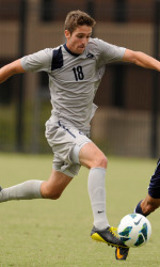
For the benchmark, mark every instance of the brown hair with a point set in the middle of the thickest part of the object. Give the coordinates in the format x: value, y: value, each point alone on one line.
x: 78, y: 18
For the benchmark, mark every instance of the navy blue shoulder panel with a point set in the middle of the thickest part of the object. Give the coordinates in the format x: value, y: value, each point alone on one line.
x: 57, y: 59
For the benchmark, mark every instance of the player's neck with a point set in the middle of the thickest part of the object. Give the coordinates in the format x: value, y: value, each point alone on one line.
x: 69, y: 51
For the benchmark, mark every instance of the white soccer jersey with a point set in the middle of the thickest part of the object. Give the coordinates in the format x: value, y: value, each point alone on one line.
x: 74, y: 79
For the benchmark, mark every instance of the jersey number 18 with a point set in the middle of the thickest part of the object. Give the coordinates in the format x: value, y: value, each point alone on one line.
x: 78, y: 73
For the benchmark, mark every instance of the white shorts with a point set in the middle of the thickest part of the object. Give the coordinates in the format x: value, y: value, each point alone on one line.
x: 66, y: 143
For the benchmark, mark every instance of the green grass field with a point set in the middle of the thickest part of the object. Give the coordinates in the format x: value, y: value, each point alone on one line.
x: 45, y: 233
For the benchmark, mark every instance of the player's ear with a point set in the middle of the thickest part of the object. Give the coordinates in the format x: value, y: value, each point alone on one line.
x: 67, y: 34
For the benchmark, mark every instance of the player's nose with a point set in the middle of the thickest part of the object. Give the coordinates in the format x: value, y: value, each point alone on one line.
x: 85, y: 41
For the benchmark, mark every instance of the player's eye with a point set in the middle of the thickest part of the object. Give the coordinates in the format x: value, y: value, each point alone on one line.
x: 80, y: 36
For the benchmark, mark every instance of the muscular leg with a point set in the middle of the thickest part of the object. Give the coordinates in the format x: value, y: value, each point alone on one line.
x: 57, y: 182
x: 54, y: 187
x: 91, y: 156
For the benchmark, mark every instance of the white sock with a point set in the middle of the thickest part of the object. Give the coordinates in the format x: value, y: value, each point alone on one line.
x: 97, y: 193
x: 27, y: 190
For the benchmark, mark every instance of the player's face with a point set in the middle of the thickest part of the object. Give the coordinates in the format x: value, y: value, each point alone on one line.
x: 77, y: 41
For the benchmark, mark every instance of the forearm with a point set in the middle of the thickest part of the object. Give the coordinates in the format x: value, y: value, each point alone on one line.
x: 5, y: 73
x: 146, y: 61
x: 10, y: 69
x: 141, y: 59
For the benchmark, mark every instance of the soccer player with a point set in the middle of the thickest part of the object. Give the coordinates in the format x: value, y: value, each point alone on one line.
x: 146, y: 206
x: 75, y: 70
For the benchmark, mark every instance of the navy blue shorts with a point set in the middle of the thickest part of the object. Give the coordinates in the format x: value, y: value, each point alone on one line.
x: 154, y: 185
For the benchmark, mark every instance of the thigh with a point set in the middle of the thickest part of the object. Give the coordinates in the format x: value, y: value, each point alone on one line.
x: 91, y: 156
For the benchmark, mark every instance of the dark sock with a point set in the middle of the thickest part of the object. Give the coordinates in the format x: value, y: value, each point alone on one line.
x: 138, y: 209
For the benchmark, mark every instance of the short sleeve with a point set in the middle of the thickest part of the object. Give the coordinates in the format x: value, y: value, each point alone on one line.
x: 39, y: 61
x: 108, y: 52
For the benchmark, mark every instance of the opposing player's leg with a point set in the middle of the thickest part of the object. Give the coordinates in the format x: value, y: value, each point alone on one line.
x: 149, y: 204
x: 93, y: 158
x: 34, y: 189
x: 152, y: 200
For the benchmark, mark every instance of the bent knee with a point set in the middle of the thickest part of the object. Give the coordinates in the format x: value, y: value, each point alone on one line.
x: 100, y: 161
x: 103, y: 162
x: 49, y: 193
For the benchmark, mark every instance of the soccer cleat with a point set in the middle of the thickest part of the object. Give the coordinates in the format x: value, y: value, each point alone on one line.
x: 107, y: 235
x: 121, y: 253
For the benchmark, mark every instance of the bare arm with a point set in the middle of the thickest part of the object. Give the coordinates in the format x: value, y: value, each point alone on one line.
x: 141, y: 59
x: 10, y: 69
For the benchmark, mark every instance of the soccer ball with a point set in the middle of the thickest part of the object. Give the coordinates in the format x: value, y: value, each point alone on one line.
x: 134, y: 230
